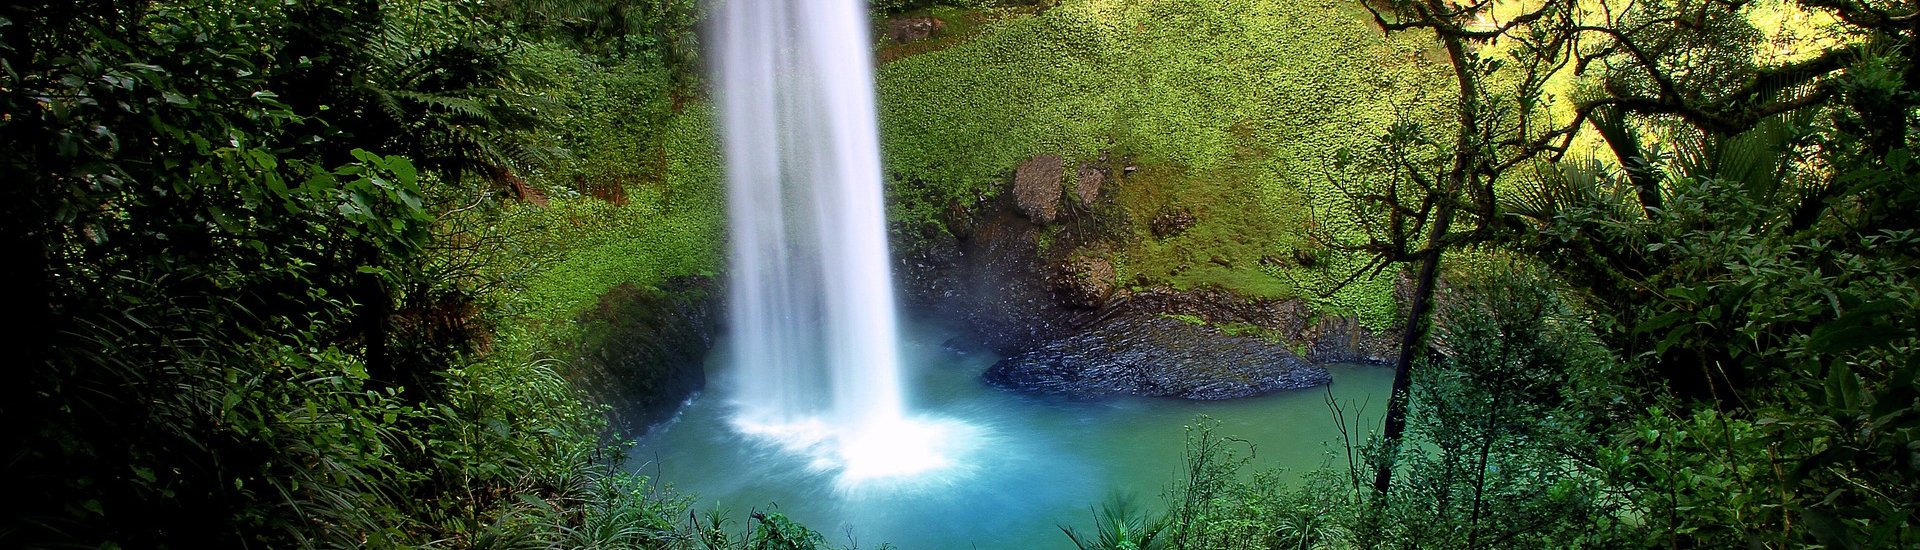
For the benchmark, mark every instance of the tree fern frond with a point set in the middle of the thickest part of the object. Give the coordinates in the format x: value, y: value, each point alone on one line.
x: 1558, y: 188
x: 466, y: 109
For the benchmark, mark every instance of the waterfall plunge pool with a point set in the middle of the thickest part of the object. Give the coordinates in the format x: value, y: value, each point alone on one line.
x: 820, y: 416
x: 1009, y: 468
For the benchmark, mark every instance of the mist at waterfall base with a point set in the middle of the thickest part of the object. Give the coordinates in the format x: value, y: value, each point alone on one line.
x: 1034, y: 463
x: 812, y: 300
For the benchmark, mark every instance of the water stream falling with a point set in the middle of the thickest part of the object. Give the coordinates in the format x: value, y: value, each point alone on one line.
x: 812, y: 304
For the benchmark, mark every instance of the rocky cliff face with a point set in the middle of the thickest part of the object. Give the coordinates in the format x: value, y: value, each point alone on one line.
x: 1156, y: 357
x: 1027, y: 275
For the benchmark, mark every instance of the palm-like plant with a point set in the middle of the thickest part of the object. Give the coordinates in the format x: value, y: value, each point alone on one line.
x: 1618, y: 234
x: 1118, y: 526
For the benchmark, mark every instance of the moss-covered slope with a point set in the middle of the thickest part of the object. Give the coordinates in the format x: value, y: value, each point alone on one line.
x: 1232, y: 110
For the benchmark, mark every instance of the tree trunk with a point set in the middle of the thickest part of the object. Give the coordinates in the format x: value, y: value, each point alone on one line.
x: 1466, y: 156
x: 1412, y: 342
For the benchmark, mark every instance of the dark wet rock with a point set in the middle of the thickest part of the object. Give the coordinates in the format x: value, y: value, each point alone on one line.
x: 1036, y: 188
x: 1156, y: 357
x: 993, y: 283
x: 1218, y: 306
x: 909, y: 29
x: 1345, y: 340
x: 641, y: 350
x: 928, y: 273
x: 1170, y: 222
x: 1065, y: 325
x: 958, y: 346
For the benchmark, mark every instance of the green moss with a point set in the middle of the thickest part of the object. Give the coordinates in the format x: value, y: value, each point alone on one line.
x: 1224, y: 230
x: 1188, y: 319
x: 580, y: 247
x: 1234, y: 109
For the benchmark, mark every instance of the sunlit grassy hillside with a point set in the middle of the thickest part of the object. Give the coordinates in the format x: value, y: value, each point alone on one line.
x: 1233, y: 110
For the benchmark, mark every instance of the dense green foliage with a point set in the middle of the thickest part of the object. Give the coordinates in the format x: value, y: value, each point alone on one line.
x: 310, y: 273
x: 1527, y: 432
x: 1791, y: 344
x: 1720, y: 347
x: 242, y: 328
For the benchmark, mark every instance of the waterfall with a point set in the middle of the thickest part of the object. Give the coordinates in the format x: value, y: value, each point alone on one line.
x: 812, y: 300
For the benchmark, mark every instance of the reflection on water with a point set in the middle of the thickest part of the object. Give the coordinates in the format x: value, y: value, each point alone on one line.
x: 1017, y: 466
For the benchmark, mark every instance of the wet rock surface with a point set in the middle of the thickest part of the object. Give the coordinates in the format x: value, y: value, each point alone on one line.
x: 1065, y: 325
x: 1156, y: 357
x: 1086, y: 281
x: 993, y: 282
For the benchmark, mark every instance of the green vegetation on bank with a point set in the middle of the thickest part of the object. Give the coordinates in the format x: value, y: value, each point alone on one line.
x: 577, y: 247
x: 1707, y: 340
x: 1233, y: 110
x: 285, y: 281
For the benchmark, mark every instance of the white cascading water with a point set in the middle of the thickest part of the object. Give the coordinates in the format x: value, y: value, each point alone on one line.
x: 812, y: 303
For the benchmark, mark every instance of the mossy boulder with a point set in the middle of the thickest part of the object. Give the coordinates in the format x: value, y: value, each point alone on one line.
x: 640, y: 350
x: 1036, y: 188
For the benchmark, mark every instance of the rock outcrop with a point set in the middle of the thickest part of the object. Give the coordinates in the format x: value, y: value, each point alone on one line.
x: 1064, y: 324
x: 1345, y: 340
x: 1086, y: 281
x: 1036, y: 188
x: 996, y: 282
x: 1156, y: 357
x: 1090, y: 179
x: 910, y: 29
